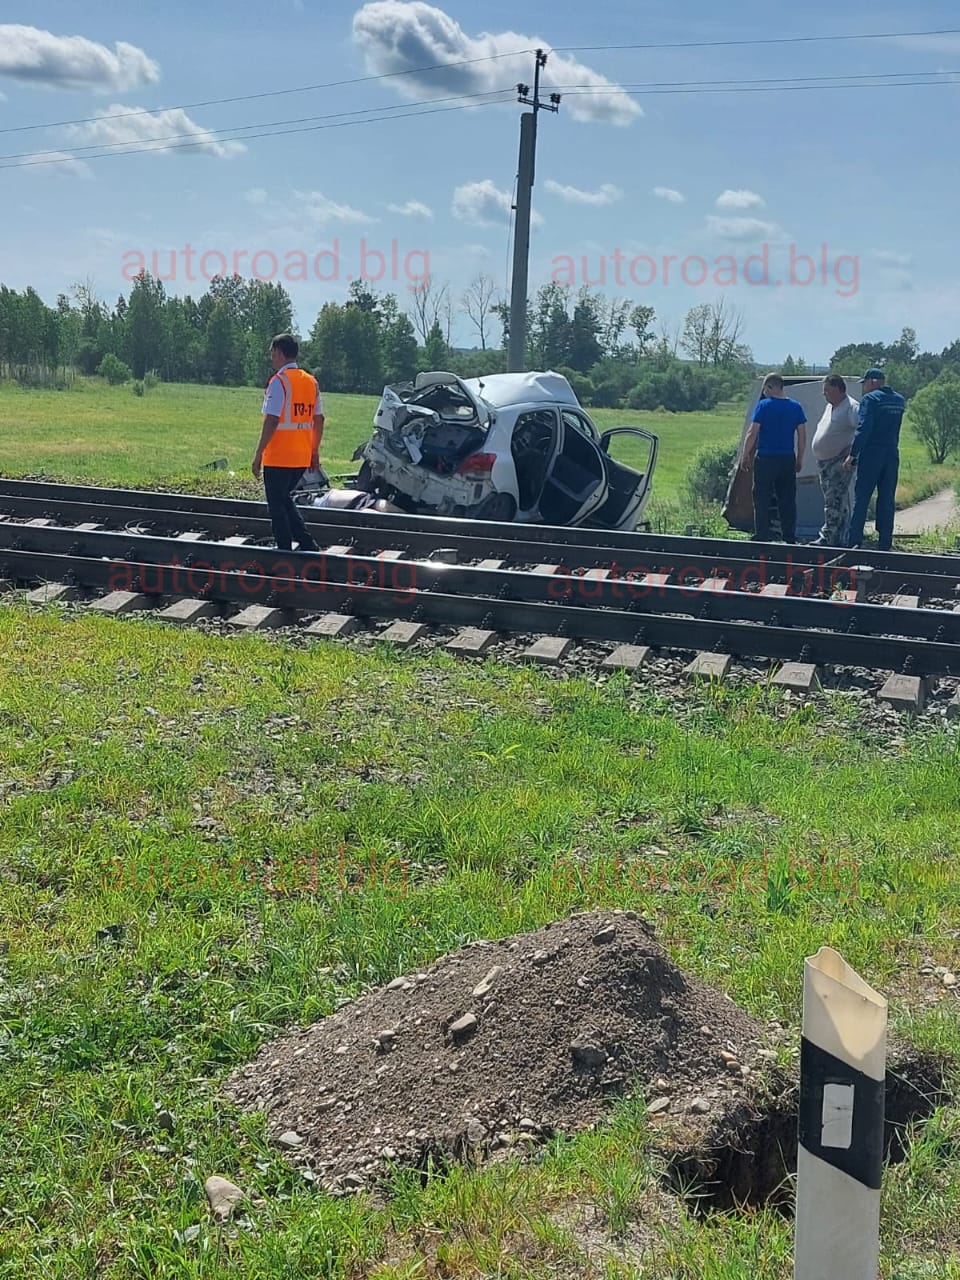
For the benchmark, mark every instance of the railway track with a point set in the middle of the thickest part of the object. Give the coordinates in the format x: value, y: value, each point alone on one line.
x: 185, y: 558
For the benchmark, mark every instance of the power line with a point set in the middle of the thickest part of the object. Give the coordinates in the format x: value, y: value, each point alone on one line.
x: 773, y: 80
x: 880, y: 80
x: 212, y: 135
x: 271, y: 93
x: 465, y: 62
x: 206, y: 142
x: 727, y: 44
x: 773, y: 88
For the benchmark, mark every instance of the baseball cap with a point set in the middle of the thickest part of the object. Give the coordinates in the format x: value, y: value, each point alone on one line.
x: 873, y: 373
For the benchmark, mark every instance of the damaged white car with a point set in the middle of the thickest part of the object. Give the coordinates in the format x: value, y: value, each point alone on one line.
x: 512, y: 446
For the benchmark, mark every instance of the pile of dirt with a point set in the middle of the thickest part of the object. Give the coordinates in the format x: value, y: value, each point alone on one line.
x: 503, y: 1044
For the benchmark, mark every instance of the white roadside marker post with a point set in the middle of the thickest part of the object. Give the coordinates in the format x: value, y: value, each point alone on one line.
x: 840, y: 1153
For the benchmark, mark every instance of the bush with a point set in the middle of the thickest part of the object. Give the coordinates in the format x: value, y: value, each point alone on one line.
x: 708, y: 477
x: 934, y: 415
x: 606, y: 395
x: 150, y: 380
x: 645, y: 395
x: 680, y: 389
x: 114, y: 370
x: 580, y: 382
x: 87, y: 357
x: 138, y: 388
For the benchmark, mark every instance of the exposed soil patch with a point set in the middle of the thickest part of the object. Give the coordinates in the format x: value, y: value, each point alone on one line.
x: 750, y: 1157
x: 505, y: 1044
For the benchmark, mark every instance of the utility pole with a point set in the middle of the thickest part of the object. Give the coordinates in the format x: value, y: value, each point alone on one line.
x: 521, y: 236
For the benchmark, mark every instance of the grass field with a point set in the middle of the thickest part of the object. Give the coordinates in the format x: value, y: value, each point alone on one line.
x: 106, y: 435
x: 132, y: 754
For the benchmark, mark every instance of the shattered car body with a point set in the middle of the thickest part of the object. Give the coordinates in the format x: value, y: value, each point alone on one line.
x: 512, y: 446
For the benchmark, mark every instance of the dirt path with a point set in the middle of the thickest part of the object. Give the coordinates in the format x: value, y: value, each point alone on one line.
x: 937, y: 512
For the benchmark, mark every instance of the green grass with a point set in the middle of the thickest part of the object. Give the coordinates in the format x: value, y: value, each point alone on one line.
x: 106, y: 435
x: 94, y: 433
x: 138, y: 761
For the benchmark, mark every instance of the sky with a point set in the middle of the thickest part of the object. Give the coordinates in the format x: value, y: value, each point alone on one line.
x: 809, y: 183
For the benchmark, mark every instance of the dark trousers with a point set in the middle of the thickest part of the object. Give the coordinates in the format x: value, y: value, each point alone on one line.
x: 288, y: 526
x: 876, y: 470
x: 775, y: 477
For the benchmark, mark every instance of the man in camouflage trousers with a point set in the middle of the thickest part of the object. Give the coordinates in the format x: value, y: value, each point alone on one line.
x: 831, y: 448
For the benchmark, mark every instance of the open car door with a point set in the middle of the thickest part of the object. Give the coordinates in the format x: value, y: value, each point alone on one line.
x: 575, y: 482
x: 629, y: 481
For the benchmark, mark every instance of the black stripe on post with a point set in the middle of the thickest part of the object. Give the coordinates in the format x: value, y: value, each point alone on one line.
x: 863, y: 1158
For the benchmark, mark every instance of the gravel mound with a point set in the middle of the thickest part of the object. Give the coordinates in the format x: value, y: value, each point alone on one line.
x: 499, y: 1045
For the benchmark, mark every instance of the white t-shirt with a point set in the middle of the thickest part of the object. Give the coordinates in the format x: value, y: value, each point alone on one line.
x: 273, y: 396
x: 835, y: 430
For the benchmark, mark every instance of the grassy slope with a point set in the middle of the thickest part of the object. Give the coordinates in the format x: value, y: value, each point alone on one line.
x: 106, y: 435
x: 139, y: 764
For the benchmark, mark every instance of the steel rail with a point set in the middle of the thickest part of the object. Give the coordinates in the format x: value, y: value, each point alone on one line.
x: 211, y: 558
x: 899, y: 562
x: 204, y: 568
x: 423, y: 540
x: 661, y: 631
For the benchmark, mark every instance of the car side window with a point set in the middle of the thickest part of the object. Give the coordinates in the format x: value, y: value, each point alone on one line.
x: 534, y: 430
x: 579, y: 423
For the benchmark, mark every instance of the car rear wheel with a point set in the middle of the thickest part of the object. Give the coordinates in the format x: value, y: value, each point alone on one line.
x: 499, y: 507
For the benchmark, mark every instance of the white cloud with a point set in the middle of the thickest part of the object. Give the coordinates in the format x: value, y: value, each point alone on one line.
x: 668, y: 193
x: 740, y: 200
x: 104, y: 236
x: 412, y: 209
x: 256, y: 195
x: 482, y: 204
x: 745, y: 230
x: 945, y: 44
x: 399, y: 37
x: 56, y: 162
x: 72, y: 62
x: 321, y: 210
x: 898, y: 281
x: 889, y: 257
x: 120, y: 127
x: 607, y: 194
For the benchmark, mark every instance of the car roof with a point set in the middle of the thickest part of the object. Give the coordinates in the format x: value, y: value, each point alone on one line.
x: 502, y: 389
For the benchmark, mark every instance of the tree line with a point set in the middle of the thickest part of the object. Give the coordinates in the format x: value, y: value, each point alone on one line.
x: 929, y: 380
x: 612, y: 350
x: 616, y: 353
x: 221, y: 338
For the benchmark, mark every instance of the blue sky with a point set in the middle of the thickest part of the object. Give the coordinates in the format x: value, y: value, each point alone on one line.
x: 657, y: 196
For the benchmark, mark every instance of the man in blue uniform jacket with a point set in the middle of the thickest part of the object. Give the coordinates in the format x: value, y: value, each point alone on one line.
x: 875, y: 453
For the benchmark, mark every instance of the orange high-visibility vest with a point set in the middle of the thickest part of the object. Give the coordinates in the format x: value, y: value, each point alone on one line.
x: 293, y: 442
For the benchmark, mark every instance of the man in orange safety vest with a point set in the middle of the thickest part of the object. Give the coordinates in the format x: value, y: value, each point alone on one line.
x: 289, y: 441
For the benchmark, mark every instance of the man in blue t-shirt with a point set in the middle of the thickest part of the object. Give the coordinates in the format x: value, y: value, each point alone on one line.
x: 778, y: 437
